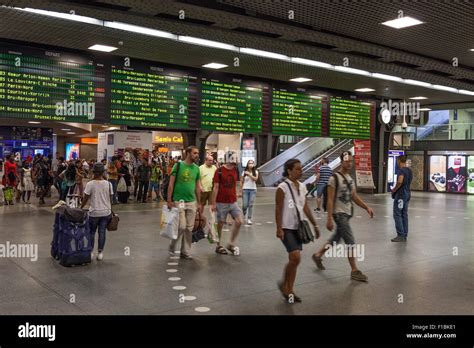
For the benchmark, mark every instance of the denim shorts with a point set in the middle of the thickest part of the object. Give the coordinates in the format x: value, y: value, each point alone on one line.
x: 223, y: 209
x: 291, y: 240
x: 320, y: 189
x: 343, y: 230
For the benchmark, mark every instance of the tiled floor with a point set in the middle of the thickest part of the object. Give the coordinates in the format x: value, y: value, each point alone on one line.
x: 424, y: 271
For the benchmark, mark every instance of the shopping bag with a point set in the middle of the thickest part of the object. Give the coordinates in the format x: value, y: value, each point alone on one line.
x: 122, y: 185
x: 8, y: 194
x: 212, y: 235
x: 169, y: 223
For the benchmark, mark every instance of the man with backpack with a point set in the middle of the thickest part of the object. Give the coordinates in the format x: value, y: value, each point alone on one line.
x: 184, y: 193
x: 401, y: 196
x: 224, y: 201
x: 340, y: 198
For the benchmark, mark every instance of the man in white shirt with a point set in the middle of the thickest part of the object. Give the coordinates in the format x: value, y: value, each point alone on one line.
x: 101, y: 193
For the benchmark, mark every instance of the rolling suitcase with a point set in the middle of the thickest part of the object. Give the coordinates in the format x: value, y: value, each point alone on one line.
x: 72, y: 241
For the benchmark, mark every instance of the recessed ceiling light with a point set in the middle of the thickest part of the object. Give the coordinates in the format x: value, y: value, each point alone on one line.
x: 215, y: 66
x: 71, y: 132
x: 208, y: 43
x: 65, y: 129
x: 102, y: 48
x: 418, y: 98
x: 140, y: 30
x: 62, y: 15
x: 300, y: 79
x: 463, y: 91
x: 34, y: 122
x: 402, y: 22
x: 472, y: 49
x: 418, y: 83
x: 445, y: 88
x: 364, y: 90
x: 311, y: 62
x: 424, y: 109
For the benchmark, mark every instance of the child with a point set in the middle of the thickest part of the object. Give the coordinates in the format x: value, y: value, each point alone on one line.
x: 7, y: 191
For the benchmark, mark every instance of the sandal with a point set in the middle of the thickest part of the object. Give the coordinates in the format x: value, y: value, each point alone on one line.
x: 291, y: 298
x: 221, y: 250
x: 234, y: 250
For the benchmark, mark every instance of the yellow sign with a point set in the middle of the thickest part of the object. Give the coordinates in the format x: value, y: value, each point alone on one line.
x: 168, y: 140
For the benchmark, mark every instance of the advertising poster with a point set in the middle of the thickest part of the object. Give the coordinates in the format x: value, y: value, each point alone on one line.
x: 457, y: 174
x: 437, y: 176
x: 416, y: 164
x: 470, y: 173
x: 363, y: 164
x: 72, y: 151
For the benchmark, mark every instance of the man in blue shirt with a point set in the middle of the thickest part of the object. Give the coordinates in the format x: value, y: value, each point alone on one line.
x: 401, y: 195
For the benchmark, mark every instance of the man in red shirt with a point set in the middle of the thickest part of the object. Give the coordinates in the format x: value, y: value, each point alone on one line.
x: 224, y: 201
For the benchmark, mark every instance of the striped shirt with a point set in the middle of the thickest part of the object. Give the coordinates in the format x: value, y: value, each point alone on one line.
x: 325, y: 173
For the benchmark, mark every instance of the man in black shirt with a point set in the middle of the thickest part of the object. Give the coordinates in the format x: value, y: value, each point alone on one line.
x: 143, y: 176
x: 401, y: 195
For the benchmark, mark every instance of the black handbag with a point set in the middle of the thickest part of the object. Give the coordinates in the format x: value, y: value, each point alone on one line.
x: 304, y: 232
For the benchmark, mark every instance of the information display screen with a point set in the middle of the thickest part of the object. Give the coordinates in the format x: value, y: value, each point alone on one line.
x: 149, y: 96
x: 296, y: 113
x: 349, y: 119
x: 37, y: 84
x: 232, y: 106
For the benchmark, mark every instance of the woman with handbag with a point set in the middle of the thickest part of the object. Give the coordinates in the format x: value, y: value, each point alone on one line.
x: 292, y: 226
x: 100, y: 192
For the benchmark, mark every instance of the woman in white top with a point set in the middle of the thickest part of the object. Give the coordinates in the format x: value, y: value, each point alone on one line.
x: 26, y: 183
x: 287, y: 223
x: 248, y: 182
x: 101, y: 193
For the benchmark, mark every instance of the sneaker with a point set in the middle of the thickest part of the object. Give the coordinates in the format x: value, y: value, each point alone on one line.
x: 399, y: 239
x: 319, y: 262
x: 359, y: 276
x: 249, y: 222
x: 234, y: 250
x: 186, y: 256
x: 100, y: 256
x: 92, y: 255
x: 317, y: 210
x: 171, y: 252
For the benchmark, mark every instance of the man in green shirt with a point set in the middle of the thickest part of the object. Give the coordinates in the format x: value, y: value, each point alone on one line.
x: 184, y: 192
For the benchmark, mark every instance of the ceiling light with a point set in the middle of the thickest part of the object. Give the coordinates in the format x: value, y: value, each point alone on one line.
x: 215, y: 66
x: 62, y: 15
x: 65, y: 129
x: 418, y: 98
x: 71, y: 133
x: 34, y: 122
x: 140, y: 30
x: 264, y: 54
x: 102, y: 48
x: 445, y: 88
x: 311, y: 62
x: 387, y: 77
x: 424, y: 109
x: 300, y: 79
x: 364, y: 90
x: 402, y: 22
x: 418, y: 83
x: 472, y: 50
x: 352, y: 70
x: 463, y: 91
x: 207, y: 43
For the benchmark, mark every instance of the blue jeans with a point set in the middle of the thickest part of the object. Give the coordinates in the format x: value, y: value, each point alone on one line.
x: 102, y: 223
x: 248, y: 196
x: 400, y: 215
x: 114, y: 187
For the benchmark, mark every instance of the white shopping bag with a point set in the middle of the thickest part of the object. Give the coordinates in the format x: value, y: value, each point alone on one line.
x: 169, y: 223
x: 212, y: 235
x: 122, y: 186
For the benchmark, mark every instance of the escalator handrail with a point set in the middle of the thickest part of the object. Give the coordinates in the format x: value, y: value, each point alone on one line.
x: 326, y: 154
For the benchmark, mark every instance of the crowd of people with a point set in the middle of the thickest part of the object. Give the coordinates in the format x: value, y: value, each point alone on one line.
x: 182, y: 184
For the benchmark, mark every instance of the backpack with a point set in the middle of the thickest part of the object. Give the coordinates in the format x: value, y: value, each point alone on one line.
x: 325, y: 192
x: 166, y: 182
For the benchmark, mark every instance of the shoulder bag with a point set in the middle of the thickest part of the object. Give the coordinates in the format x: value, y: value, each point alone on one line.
x: 305, y: 233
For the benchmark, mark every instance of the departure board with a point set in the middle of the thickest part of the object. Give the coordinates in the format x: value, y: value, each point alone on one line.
x: 233, y: 106
x: 349, y: 119
x: 149, y: 96
x: 296, y: 113
x: 37, y: 84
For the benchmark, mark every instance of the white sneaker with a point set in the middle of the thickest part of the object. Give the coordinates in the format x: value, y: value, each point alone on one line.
x: 100, y: 256
x: 92, y: 255
x: 249, y: 222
